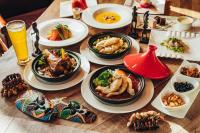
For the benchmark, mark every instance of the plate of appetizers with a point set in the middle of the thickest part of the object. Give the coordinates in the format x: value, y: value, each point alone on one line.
x: 114, y: 89
x: 107, y: 16
x: 56, y: 69
x: 153, y: 6
x: 175, y: 44
x: 178, y: 95
x: 61, y: 32
x: 108, y: 48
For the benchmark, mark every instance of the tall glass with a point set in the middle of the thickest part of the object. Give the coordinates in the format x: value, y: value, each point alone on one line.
x: 17, y: 33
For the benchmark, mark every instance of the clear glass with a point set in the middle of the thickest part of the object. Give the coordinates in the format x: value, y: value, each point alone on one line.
x: 17, y: 33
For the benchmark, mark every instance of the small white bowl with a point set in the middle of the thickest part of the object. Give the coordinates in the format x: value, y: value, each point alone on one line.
x: 189, y: 65
x: 185, y: 98
x: 184, y: 23
x: 194, y: 82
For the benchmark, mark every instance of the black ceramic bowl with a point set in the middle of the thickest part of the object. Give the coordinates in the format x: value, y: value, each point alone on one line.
x: 59, y: 78
x: 123, y: 98
x: 111, y: 34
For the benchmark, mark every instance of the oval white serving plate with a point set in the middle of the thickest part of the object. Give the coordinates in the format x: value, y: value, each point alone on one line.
x: 79, y: 32
x: 124, y: 12
x: 30, y: 78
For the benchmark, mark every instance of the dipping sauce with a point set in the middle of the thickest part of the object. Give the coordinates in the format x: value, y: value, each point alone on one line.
x: 107, y: 17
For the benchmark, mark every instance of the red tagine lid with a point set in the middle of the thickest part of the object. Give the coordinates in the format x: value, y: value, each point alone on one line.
x: 147, y: 64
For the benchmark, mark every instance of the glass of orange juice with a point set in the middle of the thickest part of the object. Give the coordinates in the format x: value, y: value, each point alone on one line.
x: 17, y: 33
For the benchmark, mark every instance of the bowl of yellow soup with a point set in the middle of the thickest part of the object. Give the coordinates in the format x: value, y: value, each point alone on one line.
x: 107, y: 16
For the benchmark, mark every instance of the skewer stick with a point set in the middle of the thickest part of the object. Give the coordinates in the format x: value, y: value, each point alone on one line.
x: 186, y: 12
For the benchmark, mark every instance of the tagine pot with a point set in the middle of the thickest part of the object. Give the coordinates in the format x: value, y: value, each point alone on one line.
x: 147, y: 64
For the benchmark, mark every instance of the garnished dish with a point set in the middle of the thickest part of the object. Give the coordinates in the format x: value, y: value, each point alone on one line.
x: 172, y: 100
x: 59, y: 32
x: 183, y: 86
x: 107, y: 17
x: 145, y: 3
x: 174, y: 44
x: 116, y: 84
x: 144, y: 120
x: 190, y: 72
x: 55, y: 65
x: 109, y: 45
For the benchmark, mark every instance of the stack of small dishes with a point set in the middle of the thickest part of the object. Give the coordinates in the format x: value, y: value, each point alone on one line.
x: 115, y: 89
x: 178, y: 95
x: 60, y: 32
x: 109, y: 48
x: 56, y: 70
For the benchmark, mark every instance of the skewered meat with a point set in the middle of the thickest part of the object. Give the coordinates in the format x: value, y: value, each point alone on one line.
x: 12, y: 85
x: 144, y: 120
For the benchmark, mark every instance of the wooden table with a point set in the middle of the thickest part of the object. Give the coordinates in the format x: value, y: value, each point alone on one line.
x: 12, y: 120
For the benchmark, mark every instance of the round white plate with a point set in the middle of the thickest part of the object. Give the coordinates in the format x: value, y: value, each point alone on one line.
x: 118, y: 109
x: 30, y: 78
x: 85, y: 51
x: 79, y: 32
x: 123, y: 11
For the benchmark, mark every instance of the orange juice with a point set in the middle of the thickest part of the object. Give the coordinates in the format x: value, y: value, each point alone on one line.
x: 17, y: 32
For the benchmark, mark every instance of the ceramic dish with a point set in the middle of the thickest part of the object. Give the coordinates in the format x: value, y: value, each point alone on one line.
x: 184, y: 23
x: 191, y: 41
x: 98, y: 36
x: 169, y: 108
x: 181, y: 112
x: 190, y: 65
x: 59, y: 78
x: 158, y: 7
x: 88, y: 16
x: 184, y: 79
x: 30, y: 78
x: 85, y: 51
x: 124, y: 97
x: 119, y: 108
x: 78, y: 30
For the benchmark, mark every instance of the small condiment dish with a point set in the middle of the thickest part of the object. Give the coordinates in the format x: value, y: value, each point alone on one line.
x: 184, y: 23
x: 185, y: 99
x: 190, y: 65
x: 184, y: 79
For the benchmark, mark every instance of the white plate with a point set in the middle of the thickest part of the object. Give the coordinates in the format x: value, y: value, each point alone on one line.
x: 118, y: 109
x: 191, y: 39
x: 159, y: 4
x: 66, y: 7
x: 123, y: 11
x: 85, y: 51
x: 175, y: 113
x: 79, y: 32
x: 30, y: 78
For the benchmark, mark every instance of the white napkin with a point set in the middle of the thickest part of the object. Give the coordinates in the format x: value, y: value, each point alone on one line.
x: 66, y: 9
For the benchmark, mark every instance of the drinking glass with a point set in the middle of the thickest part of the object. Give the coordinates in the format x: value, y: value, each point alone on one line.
x: 17, y: 33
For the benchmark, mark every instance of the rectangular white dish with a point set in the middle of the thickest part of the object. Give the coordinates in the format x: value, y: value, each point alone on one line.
x: 159, y: 4
x: 192, y: 96
x: 191, y: 39
x: 66, y: 8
